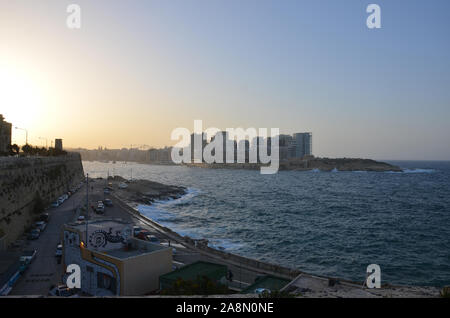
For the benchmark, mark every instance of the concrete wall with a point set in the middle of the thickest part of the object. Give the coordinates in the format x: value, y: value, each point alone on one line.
x: 141, y: 274
x: 23, y: 179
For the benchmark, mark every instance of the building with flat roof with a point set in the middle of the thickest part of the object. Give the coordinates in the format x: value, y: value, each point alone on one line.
x: 5, y: 135
x: 215, y: 272
x: 112, y: 261
x: 268, y: 282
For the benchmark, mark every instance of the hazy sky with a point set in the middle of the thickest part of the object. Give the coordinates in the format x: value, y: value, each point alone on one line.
x: 138, y: 69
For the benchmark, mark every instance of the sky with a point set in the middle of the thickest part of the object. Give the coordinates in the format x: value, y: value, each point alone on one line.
x: 136, y: 70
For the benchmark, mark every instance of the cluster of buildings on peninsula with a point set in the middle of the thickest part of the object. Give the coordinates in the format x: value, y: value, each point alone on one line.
x: 298, y: 145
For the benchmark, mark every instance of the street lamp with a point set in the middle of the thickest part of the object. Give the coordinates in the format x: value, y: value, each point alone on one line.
x: 26, y: 134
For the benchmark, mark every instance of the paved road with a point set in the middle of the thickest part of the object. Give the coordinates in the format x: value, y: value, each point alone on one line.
x: 44, y: 271
x: 96, y: 194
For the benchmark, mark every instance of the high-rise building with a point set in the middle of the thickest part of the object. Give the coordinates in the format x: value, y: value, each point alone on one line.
x: 243, y: 147
x: 226, y: 156
x: 5, y: 135
x: 197, y: 151
x: 58, y: 144
x: 285, y: 146
x: 303, y: 144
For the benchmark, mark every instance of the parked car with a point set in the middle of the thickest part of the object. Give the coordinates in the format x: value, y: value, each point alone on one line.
x: 136, y: 230
x: 41, y: 225
x: 58, y: 252
x: 34, y: 234
x: 100, y: 207
x: 26, y: 258
x: 146, y: 236
x: 123, y: 185
x: 262, y: 290
x: 55, y: 204
x: 145, y: 232
x: 61, y: 291
x: 108, y: 202
x: 152, y: 238
x: 141, y: 236
x: 63, y: 198
x: 44, y: 217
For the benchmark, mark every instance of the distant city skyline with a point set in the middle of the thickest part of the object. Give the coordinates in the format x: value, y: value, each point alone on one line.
x: 137, y: 70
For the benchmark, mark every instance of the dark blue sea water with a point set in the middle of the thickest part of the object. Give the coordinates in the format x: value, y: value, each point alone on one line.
x: 327, y: 223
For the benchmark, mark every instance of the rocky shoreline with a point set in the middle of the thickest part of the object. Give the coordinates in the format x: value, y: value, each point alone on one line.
x: 145, y: 191
x: 320, y: 164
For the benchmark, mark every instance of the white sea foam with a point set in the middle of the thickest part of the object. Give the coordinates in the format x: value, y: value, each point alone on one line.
x: 190, y: 193
x: 158, y: 213
x: 224, y: 244
x: 416, y: 170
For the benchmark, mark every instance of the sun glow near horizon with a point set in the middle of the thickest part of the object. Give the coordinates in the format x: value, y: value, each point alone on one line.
x: 21, y: 99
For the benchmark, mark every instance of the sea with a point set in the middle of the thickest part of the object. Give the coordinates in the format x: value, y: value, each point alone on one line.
x: 325, y: 223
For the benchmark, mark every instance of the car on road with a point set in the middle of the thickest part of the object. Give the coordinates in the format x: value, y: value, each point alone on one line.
x: 100, y: 207
x: 106, y: 191
x: 81, y: 218
x: 63, y: 198
x: 26, y: 258
x: 34, y: 234
x: 108, y: 202
x: 146, y: 236
x: 44, y: 217
x: 58, y: 252
x: 123, y: 185
x: 41, y: 225
x: 152, y: 238
x: 62, y: 291
x: 262, y: 291
x: 136, y: 230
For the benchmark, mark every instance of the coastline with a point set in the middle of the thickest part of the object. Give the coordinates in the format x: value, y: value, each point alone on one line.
x: 311, y: 164
x: 346, y: 288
